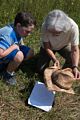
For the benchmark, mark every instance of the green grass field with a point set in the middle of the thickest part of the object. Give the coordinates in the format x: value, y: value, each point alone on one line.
x: 13, y: 100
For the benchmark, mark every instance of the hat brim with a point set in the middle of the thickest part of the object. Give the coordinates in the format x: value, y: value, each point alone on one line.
x: 57, y: 89
x: 51, y: 86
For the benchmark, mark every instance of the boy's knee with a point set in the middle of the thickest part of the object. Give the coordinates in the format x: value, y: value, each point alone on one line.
x: 19, y: 57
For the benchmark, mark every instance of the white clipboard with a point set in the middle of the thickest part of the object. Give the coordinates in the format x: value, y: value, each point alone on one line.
x: 41, y: 98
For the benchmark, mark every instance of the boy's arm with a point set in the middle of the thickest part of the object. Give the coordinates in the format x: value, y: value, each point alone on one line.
x: 4, y: 53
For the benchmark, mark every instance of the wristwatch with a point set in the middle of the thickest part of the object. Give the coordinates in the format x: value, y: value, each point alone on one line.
x: 74, y: 67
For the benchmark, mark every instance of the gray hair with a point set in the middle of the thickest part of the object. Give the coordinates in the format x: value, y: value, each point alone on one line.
x: 57, y: 20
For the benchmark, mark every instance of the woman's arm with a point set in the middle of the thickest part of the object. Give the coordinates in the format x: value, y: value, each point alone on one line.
x: 47, y: 47
x: 75, y: 55
x: 75, y: 60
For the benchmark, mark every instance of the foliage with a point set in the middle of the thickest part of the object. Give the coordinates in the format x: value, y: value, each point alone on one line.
x: 13, y: 100
x: 39, y: 8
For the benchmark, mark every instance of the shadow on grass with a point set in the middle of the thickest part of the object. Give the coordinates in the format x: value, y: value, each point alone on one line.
x: 25, y: 92
x: 30, y: 68
x: 77, y: 90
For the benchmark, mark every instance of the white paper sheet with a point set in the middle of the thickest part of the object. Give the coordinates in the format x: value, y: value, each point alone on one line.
x: 41, y: 97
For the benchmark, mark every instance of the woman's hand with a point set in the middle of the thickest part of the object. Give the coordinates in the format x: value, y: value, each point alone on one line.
x: 57, y: 63
x: 76, y: 73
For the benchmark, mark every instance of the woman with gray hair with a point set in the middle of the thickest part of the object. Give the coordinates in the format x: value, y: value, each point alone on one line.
x: 59, y: 34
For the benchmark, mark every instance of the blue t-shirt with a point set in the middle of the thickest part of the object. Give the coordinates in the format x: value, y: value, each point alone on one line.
x: 8, y: 37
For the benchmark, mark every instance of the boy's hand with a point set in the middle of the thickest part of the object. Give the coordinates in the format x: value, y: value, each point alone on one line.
x: 15, y: 46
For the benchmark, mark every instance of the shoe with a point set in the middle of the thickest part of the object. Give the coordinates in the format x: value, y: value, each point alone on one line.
x: 9, y: 79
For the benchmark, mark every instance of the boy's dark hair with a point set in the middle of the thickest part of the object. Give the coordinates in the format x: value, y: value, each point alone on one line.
x: 25, y: 19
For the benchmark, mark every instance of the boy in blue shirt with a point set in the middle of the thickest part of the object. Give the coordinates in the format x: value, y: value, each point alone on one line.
x: 12, y: 52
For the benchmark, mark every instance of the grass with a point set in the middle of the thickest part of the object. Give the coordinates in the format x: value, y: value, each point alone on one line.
x: 13, y: 100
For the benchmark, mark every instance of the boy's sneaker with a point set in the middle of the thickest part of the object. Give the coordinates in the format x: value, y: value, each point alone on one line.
x: 9, y: 78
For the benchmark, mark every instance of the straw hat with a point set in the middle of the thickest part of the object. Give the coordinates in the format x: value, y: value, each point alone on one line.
x: 59, y: 79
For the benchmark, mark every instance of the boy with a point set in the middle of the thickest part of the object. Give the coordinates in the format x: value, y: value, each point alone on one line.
x: 12, y: 53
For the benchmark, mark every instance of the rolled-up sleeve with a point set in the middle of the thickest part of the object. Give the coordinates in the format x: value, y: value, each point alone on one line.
x: 75, y: 35
x: 4, y: 43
